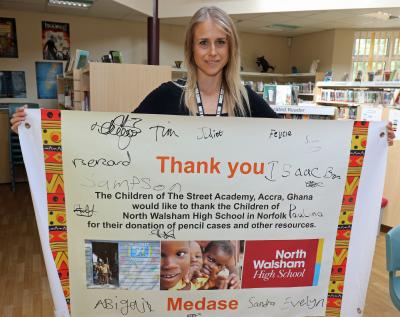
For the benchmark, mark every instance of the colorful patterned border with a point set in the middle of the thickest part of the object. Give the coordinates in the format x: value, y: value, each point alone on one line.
x: 357, y: 152
x: 51, y: 135
x: 318, y: 261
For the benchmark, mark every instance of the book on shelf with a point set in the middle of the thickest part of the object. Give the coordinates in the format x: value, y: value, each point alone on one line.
x: 69, y: 65
x: 116, y: 56
x: 394, y: 117
x: 353, y: 113
x: 284, y: 95
x: 347, y: 113
x: 81, y: 58
x: 395, y: 102
x: 269, y: 94
x: 86, y: 101
x: 357, y: 96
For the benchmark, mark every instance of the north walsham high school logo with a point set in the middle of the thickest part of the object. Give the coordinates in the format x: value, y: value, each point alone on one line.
x: 282, y: 263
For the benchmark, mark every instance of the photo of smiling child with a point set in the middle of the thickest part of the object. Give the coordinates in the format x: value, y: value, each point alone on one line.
x: 175, y: 265
x: 185, y: 265
x: 218, y: 257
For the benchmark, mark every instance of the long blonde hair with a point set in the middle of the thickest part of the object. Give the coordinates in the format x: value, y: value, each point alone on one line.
x: 236, y: 98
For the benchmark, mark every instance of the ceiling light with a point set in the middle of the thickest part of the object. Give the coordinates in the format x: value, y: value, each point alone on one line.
x: 83, y: 4
x: 281, y: 27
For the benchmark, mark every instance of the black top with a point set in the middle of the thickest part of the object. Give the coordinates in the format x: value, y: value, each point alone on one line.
x: 168, y: 99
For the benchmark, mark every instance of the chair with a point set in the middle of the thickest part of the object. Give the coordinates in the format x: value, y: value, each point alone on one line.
x: 15, y: 157
x: 393, y: 264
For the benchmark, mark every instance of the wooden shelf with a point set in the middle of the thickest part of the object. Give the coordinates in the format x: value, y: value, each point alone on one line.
x: 266, y: 75
x: 257, y: 74
x: 339, y: 103
x: 355, y: 84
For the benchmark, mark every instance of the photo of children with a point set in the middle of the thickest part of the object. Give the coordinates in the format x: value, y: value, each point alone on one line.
x: 199, y: 265
x: 175, y: 265
x: 105, y: 264
x: 125, y: 265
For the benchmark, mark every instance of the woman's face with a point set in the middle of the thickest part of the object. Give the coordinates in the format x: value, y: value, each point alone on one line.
x: 210, y: 48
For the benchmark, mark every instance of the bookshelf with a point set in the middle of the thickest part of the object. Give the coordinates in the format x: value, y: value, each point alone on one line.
x: 356, y: 96
x: 356, y: 84
x: 180, y: 72
x: 111, y: 86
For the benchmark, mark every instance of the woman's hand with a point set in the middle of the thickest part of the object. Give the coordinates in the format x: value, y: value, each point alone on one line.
x: 390, y: 133
x: 18, y: 116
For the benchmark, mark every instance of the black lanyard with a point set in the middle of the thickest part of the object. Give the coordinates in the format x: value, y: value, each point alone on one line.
x: 200, y: 103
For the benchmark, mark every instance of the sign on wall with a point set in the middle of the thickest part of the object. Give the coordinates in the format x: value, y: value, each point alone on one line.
x: 55, y: 41
x: 8, y: 38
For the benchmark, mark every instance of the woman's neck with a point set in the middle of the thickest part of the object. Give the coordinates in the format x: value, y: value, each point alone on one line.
x: 209, y: 85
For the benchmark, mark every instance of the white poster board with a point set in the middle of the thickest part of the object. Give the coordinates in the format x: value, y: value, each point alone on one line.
x: 138, y: 186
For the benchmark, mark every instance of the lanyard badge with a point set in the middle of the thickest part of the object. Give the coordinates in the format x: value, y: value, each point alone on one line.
x: 200, y: 103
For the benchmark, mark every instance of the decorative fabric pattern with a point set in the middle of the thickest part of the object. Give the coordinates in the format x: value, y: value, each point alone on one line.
x: 51, y: 135
x: 357, y: 152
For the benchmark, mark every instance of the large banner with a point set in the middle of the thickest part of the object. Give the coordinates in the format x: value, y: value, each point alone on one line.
x: 181, y: 216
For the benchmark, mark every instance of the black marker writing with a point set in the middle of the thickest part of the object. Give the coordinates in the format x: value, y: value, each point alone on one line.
x: 87, y: 211
x: 161, y: 131
x: 124, y: 306
x: 122, y: 126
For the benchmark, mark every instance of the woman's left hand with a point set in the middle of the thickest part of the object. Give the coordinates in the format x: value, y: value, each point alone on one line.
x: 390, y: 133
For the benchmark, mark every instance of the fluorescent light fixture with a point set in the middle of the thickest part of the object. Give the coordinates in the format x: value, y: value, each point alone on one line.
x: 281, y: 27
x: 380, y: 15
x: 83, y: 4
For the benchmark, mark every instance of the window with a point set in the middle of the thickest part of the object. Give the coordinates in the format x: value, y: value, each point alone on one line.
x: 375, y: 51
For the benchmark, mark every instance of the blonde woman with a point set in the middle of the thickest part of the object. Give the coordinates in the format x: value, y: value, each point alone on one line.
x: 213, y: 84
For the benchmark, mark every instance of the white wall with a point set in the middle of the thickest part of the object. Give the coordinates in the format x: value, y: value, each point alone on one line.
x: 308, y: 47
x: 273, y: 48
x: 98, y: 36
x: 342, y: 53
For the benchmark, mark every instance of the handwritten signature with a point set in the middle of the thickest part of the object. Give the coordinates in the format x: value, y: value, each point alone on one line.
x: 208, y: 133
x: 260, y: 303
x: 87, y: 211
x: 313, y: 184
x: 124, y: 306
x: 130, y: 183
x: 307, y: 302
x: 313, y: 142
x: 122, y: 126
x: 161, y: 131
x: 163, y: 234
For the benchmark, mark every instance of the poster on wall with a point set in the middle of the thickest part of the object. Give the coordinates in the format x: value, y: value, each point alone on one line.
x: 8, y: 38
x: 229, y: 228
x: 46, y: 79
x: 12, y: 84
x: 55, y: 41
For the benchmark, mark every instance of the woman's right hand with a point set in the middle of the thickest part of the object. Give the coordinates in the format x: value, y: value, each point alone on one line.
x: 18, y: 116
